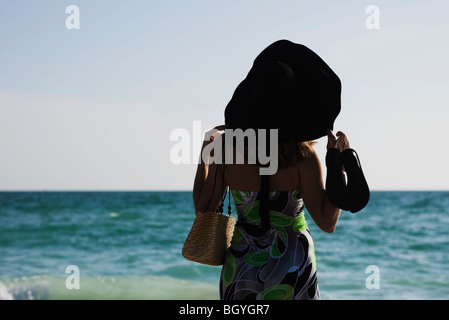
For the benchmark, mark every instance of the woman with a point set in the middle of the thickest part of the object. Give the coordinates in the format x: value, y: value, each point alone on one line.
x: 290, y: 89
x: 280, y: 264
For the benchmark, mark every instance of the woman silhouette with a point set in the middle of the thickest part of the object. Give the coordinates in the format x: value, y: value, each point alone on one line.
x: 292, y: 90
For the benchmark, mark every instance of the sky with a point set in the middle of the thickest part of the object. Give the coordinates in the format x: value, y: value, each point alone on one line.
x: 93, y: 108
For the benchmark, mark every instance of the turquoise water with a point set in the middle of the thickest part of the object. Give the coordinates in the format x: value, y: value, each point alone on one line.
x: 127, y: 245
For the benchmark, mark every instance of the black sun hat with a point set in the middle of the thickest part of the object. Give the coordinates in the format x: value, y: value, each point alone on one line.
x: 289, y: 88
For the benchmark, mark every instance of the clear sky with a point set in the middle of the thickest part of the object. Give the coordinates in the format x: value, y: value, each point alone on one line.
x: 93, y: 108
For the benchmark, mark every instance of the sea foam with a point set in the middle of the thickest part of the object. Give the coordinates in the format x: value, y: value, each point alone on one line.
x: 50, y: 287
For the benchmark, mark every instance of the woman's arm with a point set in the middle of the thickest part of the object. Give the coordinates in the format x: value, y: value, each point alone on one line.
x: 323, y: 212
x: 202, y: 171
x: 206, y: 196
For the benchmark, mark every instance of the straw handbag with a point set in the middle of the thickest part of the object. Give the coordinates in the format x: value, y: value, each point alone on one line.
x: 210, y: 236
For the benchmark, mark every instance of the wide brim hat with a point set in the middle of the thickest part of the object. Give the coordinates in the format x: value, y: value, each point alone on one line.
x: 289, y: 88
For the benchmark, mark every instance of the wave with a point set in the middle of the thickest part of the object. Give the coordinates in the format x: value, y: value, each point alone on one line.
x: 50, y: 287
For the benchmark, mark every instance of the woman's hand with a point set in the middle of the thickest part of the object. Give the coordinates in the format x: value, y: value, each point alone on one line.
x: 214, y: 133
x: 341, y: 143
x: 221, y: 127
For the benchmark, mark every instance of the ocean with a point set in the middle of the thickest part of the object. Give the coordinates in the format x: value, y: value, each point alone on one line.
x: 127, y: 245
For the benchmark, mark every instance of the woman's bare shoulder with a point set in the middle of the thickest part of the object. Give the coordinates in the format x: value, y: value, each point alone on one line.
x: 312, y: 159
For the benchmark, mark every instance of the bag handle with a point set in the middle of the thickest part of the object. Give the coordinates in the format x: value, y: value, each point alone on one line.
x: 220, y: 207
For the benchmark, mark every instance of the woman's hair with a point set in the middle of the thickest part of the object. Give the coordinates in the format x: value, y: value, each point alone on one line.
x: 292, y: 152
